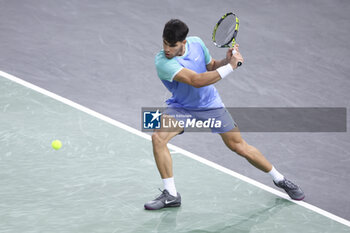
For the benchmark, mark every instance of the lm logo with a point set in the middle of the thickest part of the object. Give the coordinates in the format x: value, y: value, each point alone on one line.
x: 151, y: 120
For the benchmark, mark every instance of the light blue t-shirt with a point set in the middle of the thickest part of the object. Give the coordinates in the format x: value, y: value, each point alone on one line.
x: 186, y: 96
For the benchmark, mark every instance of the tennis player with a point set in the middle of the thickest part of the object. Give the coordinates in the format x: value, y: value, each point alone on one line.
x: 186, y: 68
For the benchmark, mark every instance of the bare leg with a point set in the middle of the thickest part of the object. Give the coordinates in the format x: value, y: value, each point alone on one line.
x: 235, y: 142
x: 160, y: 139
x: 169, y: 197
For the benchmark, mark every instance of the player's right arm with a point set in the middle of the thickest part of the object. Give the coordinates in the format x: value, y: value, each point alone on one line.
x: 194, y: 79
x: 169, y: 70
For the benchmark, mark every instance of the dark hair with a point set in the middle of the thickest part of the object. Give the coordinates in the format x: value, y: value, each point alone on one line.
x: 175, y: 30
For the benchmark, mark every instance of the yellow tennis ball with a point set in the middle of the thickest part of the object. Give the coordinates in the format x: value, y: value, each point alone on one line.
x: 56, y: 144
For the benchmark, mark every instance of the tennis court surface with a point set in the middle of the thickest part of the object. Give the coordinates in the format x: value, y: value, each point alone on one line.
x: 104, y: 173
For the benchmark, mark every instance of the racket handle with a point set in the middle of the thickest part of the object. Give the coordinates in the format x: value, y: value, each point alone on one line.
x: 238, y: 63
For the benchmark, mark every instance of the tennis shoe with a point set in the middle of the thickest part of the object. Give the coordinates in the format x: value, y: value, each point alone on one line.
x: 293, y: 190
x: 163, y: 201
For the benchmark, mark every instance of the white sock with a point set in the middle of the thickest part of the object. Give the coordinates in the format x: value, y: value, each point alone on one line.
x: 169, y: 185
x: 276, y: 176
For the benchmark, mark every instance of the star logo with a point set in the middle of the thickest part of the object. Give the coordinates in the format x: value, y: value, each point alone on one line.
x: 156, y: 115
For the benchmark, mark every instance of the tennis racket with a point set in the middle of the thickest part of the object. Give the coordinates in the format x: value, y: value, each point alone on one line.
x: 225, y: 32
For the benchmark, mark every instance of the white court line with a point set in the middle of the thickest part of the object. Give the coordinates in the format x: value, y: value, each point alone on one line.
x: 173, y: 147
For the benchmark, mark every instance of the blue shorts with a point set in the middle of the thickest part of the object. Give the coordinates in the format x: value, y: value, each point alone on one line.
x: 218, y: 120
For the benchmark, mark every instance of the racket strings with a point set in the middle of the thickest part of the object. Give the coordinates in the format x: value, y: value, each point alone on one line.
x: 225, y: 31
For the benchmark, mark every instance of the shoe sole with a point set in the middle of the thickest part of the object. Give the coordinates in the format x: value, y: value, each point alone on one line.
x: 168, y: 206
x: 299, y: 199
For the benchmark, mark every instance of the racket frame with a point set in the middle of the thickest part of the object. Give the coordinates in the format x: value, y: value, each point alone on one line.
x: 232, y: 41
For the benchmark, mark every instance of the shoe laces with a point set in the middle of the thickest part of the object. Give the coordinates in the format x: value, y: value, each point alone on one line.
x: 290, y: 185
x: 161, y: 195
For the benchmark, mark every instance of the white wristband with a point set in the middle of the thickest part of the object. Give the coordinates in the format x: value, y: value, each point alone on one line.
x: 224, y: 70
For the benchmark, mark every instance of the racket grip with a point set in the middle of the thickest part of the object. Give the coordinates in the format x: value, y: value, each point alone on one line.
x: 238, y: 63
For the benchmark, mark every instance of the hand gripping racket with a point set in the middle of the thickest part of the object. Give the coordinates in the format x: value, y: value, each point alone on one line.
x: 225, y: 32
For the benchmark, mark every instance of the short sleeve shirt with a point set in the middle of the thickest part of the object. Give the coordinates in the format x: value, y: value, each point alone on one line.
x: 196, y: 58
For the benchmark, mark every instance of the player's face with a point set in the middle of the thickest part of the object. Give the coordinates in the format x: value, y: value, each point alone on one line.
x: 173, y: 50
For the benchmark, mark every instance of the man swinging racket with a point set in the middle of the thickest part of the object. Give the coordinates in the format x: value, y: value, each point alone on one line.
x: 188, y: 71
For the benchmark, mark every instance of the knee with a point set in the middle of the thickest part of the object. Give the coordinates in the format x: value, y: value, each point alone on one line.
x: 158, y: 140
x: 240, y: 148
